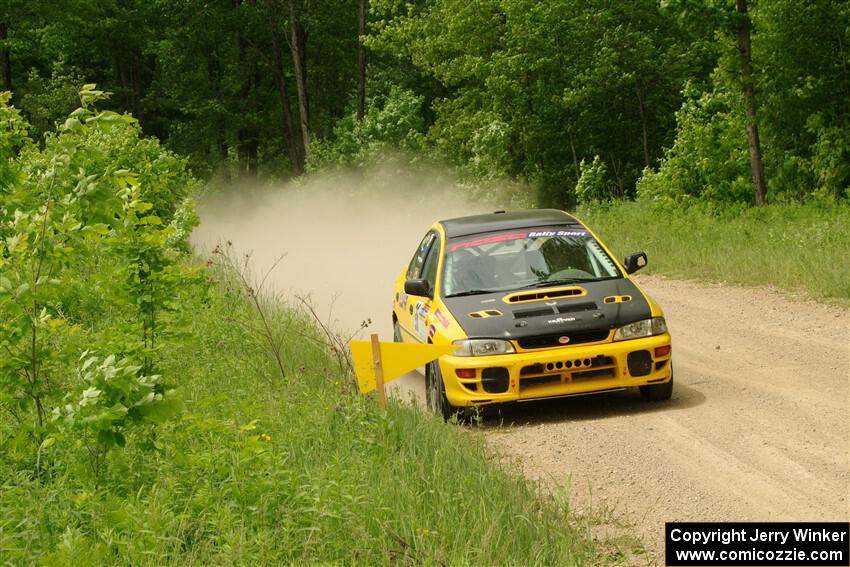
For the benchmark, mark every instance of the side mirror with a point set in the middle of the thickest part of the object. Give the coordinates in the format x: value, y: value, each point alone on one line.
x: 634, y: 262
x: 418, y: 287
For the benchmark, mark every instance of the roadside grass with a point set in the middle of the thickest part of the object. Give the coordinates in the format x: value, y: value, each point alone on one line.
x: 803, y: 248
x: 262, y: 469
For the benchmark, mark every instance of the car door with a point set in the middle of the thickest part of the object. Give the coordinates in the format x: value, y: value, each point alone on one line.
x: 414, y: 312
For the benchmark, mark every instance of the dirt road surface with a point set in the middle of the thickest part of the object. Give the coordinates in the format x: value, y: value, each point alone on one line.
x: 758, y: 428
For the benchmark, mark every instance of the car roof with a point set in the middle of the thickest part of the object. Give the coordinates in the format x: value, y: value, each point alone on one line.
x: 501, y: 220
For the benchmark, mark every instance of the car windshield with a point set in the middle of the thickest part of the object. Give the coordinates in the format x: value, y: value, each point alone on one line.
x: 508, y: 260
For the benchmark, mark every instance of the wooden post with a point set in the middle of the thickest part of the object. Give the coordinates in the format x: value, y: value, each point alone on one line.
x: 379, y: 371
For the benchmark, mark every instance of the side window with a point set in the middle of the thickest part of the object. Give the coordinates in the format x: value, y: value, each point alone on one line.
x: 429, y: 269
x: 415, y: 268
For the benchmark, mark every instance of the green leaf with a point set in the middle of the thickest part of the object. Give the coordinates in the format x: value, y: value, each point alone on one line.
x: 106, y: 437
x: 22, y: 289
x: 163, y: 410
x: 150, y: 219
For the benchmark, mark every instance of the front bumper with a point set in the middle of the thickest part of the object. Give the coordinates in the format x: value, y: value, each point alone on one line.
x: 553, y: 372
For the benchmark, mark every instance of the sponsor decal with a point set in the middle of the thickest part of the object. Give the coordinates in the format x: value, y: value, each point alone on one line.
x: 420, y: 311
x: 562, y: 320
x: 402, y: 300
x: 441, y: 318
x: 432, y: 331
x: 537, y: 233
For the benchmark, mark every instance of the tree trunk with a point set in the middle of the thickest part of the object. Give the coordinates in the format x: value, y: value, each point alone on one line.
x: 223, y: 153
x: 749, y: 100
x: 296, y: 156
x: 248, y: 150
x: 137, y: 79
x: 361, y: 60
x: 6, y: 58
x: 247, y: 134
x: 297, y: 45
x: 617, y: 168
x: 575, y: 159
x: 642, y: 109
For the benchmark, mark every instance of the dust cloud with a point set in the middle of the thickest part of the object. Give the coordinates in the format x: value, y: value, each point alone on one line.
x: 344, y: 236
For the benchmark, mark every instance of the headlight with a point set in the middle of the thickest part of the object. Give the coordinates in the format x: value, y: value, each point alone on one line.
x: 638, y: 329
x: 482, y: 347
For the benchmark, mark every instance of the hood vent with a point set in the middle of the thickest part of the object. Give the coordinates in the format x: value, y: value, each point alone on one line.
x: 576, y: 307
x: 533, y: 313
x: 553, y: 293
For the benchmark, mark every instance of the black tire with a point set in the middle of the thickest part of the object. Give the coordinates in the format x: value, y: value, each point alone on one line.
x: 658, y: 392
x: 435, y: 392
x: 396, y: 332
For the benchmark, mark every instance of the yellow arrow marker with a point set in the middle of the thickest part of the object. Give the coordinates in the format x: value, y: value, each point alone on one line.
x: 396, y: 359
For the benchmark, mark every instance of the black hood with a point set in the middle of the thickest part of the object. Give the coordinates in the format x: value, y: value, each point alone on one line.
x: 488, y: 316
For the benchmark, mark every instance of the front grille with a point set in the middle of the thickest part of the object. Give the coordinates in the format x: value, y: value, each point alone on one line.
x: 576, y: 338
x: 579, y: 363
x: 564, y: 371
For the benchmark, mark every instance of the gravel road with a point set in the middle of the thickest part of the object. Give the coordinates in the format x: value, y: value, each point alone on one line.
x: 757, y: 430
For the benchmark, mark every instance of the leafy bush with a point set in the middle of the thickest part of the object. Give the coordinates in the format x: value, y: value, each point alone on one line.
x: 390, y: 123
x: 709, y: 159
x: 86, y: 263
x: 592, y: 186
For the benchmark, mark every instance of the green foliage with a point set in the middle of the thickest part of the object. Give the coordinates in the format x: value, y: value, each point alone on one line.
x: 74, y: 225
x: 117, y: 396
x: 530, y: 89
x: 50, y: 99
x: 709, y: 159
x: 390, y: 123
x: 13, y: 135
x: 803, y: 121
x: 592, y: 186
x: 516, y: 91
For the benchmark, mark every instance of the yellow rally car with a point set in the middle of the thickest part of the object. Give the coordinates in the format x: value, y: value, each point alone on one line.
x: 535, y: 306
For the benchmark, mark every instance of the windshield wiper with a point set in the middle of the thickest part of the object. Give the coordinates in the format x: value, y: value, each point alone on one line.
x: 472, y: 292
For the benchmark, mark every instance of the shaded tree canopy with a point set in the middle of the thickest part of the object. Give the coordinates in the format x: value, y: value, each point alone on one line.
x: 658, y: 93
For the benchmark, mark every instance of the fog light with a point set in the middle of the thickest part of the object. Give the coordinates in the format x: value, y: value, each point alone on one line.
x: 465, y: 372
x: 662, y: 351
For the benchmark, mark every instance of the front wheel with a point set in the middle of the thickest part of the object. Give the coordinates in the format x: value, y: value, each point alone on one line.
x: 658, y: 392
x: 435, y: 392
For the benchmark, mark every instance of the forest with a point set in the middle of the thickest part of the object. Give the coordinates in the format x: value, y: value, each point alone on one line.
x: 715, y: 100
x: 161, y: 408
